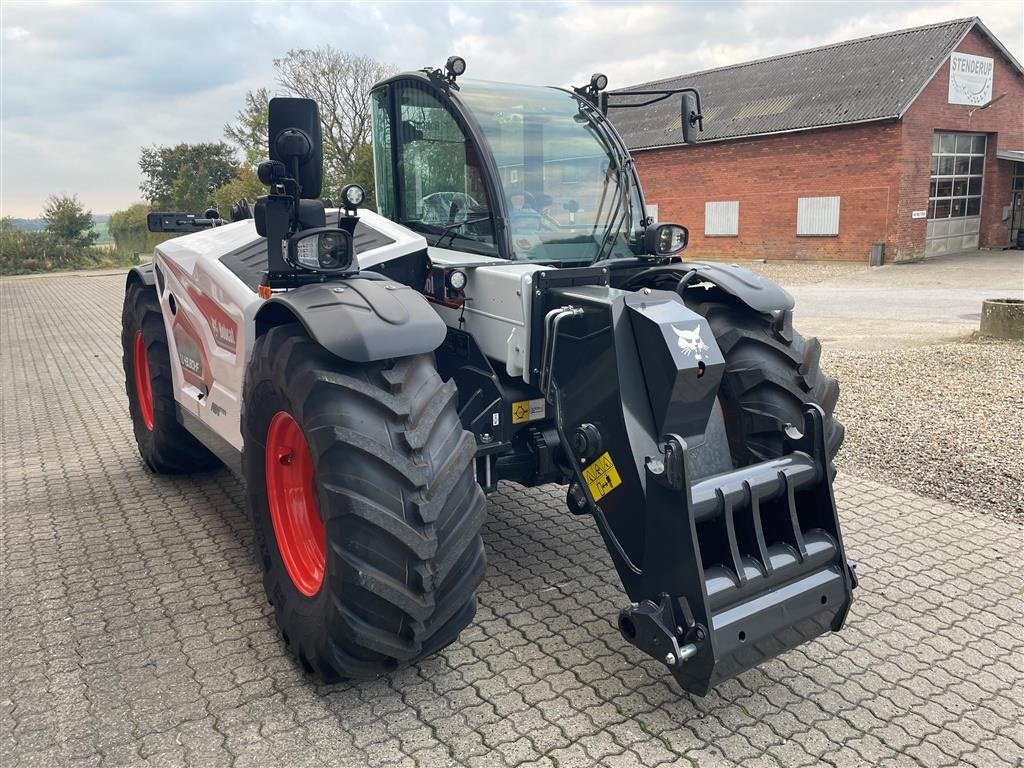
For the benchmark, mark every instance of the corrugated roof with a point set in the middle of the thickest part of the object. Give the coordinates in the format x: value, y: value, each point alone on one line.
x: 873, y: 78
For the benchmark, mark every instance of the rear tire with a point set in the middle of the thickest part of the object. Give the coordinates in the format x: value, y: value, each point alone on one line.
x: 393, y: 484
x: 771, y: 372
x: 164, y: 444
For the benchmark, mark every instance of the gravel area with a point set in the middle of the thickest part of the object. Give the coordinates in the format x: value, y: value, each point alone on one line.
x: 805, y: 272
x: 944, y: 420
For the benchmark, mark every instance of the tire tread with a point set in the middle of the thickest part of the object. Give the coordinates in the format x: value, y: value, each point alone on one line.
x: 403, y: 507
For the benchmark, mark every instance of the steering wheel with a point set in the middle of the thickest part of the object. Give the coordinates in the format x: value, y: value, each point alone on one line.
x: 455, y: 209
x: 548, y: 223
x: 526, y: 220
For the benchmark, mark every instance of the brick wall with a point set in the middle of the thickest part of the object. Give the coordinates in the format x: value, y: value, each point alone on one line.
x: 931, y: 112
x: 766, y: 176
x: 880, y: 170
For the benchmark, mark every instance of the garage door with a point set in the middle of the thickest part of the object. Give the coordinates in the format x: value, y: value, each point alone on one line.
x: 954, y: 201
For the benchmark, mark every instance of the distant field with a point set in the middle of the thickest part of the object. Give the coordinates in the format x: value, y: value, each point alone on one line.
x: 99, y: 225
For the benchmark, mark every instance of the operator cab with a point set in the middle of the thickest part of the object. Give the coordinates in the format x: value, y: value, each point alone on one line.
x: 524, y: 173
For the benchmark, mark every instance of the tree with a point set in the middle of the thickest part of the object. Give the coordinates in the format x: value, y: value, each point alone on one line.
x: 130, y: 233
x: 249, y: 133
x: 68, y: 222
x: 128, y: 228
x: 245, y: 185
x: 184, y: 177
x: 340, y: 83
x: 362, y: 174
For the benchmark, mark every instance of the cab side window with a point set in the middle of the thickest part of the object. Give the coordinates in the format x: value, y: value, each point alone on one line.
x: 440, y: 186
x: 383, y: 169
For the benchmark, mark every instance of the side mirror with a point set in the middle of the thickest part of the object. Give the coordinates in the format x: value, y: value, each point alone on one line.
x: 327, y: 250
x: 665, y: 239
x: 689, y: 118
x: 295, y: 140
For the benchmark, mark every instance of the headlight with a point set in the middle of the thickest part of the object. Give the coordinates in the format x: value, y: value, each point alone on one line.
x: 322, y: 250
x: 329, y: 242
x: 665, y: 239
x: 332, y: 255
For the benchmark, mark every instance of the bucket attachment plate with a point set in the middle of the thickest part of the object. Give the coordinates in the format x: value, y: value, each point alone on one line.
x: 765, y: 561
x: 724, y: 567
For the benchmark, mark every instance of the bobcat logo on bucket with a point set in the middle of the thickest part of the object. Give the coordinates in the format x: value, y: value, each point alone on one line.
x: 690, y: 342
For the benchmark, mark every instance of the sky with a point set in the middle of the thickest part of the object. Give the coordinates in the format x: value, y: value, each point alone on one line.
x: 84, y: 86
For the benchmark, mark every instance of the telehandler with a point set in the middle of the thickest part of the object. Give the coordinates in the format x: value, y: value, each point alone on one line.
x: 511, y: 312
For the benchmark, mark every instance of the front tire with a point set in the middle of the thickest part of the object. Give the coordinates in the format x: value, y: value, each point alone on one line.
x: 771, y: 373
x: 374, y: 562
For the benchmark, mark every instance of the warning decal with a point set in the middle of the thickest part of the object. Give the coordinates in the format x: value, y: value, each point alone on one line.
x: 602, y: 477
x: 527, y: 410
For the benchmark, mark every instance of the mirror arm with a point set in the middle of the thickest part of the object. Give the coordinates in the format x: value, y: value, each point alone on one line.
x: 658, y: 95
x: 295, y: 192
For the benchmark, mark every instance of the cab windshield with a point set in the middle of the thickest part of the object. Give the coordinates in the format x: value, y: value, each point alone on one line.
x: 568, y: 198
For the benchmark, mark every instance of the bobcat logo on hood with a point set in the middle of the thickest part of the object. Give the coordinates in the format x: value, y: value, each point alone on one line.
x: 690, y: 342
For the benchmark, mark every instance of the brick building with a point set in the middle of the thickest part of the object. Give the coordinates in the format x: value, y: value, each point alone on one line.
x: 914, y: 139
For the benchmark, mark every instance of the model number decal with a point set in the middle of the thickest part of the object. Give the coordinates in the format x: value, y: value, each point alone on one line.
x: 190, y: 363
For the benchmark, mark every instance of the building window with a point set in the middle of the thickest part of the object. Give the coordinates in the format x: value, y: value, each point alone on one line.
x: 817, y: 216
x: 958, y: 167
x: 722, y: 219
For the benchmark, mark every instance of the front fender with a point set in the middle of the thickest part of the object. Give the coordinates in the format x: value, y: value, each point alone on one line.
x: 757, y: 292
x: 358, y: 319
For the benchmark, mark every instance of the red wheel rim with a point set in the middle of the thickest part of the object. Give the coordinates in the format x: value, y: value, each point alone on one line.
x: 143, y: 386
x: 293, y: 509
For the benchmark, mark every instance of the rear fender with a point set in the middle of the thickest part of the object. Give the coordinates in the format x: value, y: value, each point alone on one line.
x: 144, y: 274
x: 358, y: 319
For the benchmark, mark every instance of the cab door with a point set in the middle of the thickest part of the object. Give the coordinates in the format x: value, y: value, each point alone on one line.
x: 429, y: 169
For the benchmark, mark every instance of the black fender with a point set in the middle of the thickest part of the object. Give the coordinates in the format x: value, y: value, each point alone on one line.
x: 757, y: 292
x: 144, y: 273
x: 358, y: 319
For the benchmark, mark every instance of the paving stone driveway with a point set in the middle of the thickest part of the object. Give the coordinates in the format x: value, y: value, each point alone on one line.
x: 135, y: 630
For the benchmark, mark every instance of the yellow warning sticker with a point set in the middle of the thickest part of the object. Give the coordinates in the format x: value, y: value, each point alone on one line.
x: 527, y: 410
x: 602, y: 477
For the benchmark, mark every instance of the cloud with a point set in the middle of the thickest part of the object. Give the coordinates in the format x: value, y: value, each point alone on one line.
x: 15, y: 33
x: 84, y: 86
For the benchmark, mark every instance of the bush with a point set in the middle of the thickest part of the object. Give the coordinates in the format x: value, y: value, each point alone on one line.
x: 69, y: 222
x: 23, y: 252
x: 245, y: 184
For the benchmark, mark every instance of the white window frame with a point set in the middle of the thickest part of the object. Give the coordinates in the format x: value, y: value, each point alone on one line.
x: 817, y: 216
x: 722, y: 218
